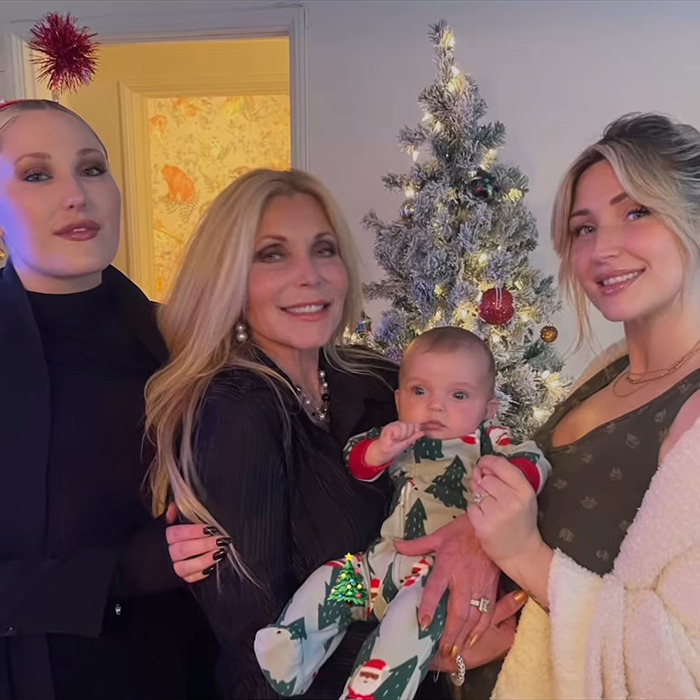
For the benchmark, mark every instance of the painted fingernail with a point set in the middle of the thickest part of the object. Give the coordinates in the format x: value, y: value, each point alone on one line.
x: 425, y: 622
x: 210, y: 530
x: 219, y: 554
x: 223, y: 542
x: 454, y: 652
x: 209, y: 570
x: 473, y: 640
x: 520, y: 596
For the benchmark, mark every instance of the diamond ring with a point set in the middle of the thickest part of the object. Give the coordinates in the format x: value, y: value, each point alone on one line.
x: 482, y: 604
x: 479, y: 498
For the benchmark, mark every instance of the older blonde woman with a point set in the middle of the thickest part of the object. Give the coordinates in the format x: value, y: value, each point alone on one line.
x: 252, y: 413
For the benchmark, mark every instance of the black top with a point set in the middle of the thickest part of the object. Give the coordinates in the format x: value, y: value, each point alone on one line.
x: 97, y: 373
x: 89, y: 604
x: 598, y: 482
x: 289, y: 508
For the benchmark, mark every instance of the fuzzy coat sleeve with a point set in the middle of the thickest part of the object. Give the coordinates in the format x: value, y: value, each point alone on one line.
x: 636, y: 631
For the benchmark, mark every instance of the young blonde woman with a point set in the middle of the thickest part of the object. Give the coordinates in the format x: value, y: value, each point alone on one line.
x: 252, y: 413
x: 89, y: 607
x: 614, y: 570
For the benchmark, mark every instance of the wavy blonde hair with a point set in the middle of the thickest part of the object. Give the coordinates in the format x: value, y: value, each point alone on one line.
x: 207, y: 301
x: 657, y: 161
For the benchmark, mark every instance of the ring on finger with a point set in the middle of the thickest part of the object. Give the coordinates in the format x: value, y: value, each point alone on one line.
x: 458, y: 677
x: 483, y: 605
x: 479, y: 498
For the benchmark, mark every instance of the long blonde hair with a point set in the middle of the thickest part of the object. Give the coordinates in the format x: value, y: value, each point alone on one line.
x: 657, y: 161
x: 208, y: 299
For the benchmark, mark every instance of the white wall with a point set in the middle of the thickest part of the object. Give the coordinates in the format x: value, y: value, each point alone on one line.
x: 554, y: 72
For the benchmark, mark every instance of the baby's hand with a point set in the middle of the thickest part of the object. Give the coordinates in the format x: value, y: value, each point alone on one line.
x: 394, y: 439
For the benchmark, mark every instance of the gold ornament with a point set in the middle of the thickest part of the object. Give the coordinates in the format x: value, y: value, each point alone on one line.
x: 549, y: 334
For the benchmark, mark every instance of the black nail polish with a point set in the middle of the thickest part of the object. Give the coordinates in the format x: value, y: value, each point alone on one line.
x: 210, y: 530
x: 220, y: 554
x: 223, y: 542
x: 209, y: 570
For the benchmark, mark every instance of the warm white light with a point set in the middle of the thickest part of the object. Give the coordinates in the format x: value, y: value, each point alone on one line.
x: 415, y: 154
x: 483, y: 258
x: 410, y: 192
x: 540, y: 415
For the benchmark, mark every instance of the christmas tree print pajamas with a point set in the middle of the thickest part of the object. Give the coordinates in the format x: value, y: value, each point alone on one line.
x: 432, y: 488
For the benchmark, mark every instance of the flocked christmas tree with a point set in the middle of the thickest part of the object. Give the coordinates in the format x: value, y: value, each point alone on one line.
x: 458, y: 254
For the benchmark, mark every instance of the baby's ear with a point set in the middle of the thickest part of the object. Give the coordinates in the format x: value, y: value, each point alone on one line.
x: 491, y: 409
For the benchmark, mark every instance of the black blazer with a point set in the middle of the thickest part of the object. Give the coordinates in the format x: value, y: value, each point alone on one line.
x: 112, y: 614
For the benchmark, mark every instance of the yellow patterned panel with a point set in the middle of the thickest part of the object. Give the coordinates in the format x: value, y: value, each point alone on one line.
x: 198, y: 146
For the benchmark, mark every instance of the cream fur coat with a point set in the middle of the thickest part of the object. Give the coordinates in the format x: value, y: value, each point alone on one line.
x: 635, y: 632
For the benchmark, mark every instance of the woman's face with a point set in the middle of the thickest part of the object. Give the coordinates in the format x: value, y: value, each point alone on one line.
x: 297, y: 282
x: 59, y: 205
x: 628, y: 262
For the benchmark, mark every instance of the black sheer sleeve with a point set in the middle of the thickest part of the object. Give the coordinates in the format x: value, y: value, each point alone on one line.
x: 240, y: 457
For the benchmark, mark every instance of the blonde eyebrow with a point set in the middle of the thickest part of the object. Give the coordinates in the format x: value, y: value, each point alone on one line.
x: 615, y: 200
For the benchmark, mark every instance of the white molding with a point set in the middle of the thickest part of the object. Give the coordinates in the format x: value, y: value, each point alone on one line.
x: 237, y: 20
x: 209, y: 86
x: 138, y: 219
x: 298, y: 92
x: 19, y: 84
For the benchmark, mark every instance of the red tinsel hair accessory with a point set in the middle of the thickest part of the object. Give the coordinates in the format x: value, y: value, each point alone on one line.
x: 68, y: 53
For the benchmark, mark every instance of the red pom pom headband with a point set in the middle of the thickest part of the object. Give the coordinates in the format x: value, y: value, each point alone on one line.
x: 10, y: 102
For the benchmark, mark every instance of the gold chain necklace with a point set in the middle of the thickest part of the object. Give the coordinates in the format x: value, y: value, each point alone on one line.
x: 638, y: 379
x: 644, y: 377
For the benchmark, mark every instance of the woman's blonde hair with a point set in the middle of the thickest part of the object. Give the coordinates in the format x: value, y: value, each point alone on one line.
x: 208, y: 299
x: 657, y: 161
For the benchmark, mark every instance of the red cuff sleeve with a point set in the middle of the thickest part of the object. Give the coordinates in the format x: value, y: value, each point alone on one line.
x: 530, y: 470
x: 359, y: 468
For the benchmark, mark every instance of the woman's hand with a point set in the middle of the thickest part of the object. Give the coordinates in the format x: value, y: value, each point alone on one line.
x: 462, y: 567
x: 494, y: 643
x: 505, y: 521
x: 194, y: 549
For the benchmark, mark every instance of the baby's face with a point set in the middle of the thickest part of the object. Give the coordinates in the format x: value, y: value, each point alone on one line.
x: 448, y: 393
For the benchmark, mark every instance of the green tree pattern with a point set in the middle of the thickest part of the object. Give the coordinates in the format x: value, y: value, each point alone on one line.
x: 331, y: 611
x: 449, y: 487
x: 427, y: 449
x: 415, y: 521
x: 395, y: 685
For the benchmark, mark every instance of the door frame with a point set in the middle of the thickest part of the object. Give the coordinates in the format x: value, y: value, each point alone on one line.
x: 236, y: 21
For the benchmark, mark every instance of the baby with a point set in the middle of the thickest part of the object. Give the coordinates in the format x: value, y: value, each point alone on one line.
x: 445, y: 405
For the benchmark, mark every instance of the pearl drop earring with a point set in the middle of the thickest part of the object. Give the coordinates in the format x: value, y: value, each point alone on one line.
x: 241, y: 332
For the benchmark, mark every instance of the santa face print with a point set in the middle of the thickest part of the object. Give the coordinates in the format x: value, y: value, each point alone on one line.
x: 367, y: 679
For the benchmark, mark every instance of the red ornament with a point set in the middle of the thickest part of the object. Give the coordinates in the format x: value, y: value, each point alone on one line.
x: 69, y: 54
x: 496, y: 306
